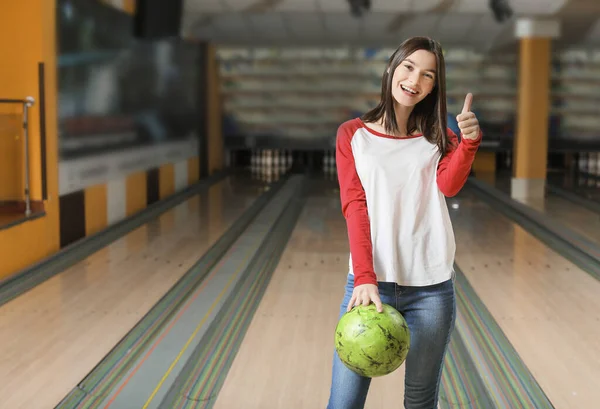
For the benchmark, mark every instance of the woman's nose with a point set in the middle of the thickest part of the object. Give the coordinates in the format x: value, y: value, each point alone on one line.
x: 414, y: 77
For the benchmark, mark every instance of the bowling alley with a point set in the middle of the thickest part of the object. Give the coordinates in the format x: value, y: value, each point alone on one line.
x: 300, y: 204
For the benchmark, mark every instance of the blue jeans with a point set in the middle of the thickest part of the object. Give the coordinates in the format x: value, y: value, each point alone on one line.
x: 430, y: 314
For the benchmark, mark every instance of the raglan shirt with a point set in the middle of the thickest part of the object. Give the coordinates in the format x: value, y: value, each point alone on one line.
x: 392, y: 193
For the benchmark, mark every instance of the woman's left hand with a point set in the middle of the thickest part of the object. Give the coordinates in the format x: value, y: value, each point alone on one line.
x: 467, y: 121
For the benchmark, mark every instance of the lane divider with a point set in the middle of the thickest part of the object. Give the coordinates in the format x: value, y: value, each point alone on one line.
x: 238, y: 269
x: 572, y: 246
x: 573, y: 197
x: 104, y: 377
x: 172, y: 324
x: 507, y: 380
x: 199, y: 383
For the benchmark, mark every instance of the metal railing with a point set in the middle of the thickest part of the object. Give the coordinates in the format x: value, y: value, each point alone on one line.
x: 26, y: 103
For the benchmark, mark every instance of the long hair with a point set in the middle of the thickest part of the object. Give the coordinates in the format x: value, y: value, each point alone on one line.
x: 429, y: 115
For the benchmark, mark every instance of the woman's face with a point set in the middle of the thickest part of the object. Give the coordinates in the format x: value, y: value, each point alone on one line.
x: 414, y: 78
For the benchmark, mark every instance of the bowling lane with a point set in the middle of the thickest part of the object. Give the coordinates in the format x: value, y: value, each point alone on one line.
x: 561, y: 210
x: 547, y: 307
x: 52, y: 336
x: 572, y: 215
x: 586, y: 185
x: 285, y: 358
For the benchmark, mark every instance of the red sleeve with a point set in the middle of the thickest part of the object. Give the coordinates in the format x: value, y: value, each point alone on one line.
x: 354, y: 209
x: 454, y: 168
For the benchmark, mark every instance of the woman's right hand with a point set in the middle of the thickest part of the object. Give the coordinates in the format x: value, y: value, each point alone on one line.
x: 365, y: 294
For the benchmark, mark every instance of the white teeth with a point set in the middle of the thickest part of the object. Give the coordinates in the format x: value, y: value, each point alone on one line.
x: 405, y: 88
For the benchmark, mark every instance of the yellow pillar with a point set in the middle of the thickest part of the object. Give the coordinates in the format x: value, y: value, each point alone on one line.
x: 27, y: 38
x: 531, y: 141
x: 129, y: 6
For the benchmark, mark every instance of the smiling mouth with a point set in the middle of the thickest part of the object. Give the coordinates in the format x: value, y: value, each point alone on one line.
x: 409, y: 90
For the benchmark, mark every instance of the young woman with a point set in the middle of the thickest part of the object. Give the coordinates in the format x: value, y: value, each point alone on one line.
x: 395, y: 166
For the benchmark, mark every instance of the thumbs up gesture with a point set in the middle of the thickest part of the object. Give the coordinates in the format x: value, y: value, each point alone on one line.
x: 467, y: 121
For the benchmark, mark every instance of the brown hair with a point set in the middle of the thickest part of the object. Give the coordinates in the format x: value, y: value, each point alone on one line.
x: 429, y: 115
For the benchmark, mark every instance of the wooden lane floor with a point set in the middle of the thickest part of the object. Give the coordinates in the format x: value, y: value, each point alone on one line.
x: 548, y: 308
x: 285, y: 358
x: 574, y: 216
x: 52, y: 336
x: 154, y: 372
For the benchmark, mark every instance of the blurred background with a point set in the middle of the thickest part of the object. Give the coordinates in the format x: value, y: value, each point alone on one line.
x: 147, y: 146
